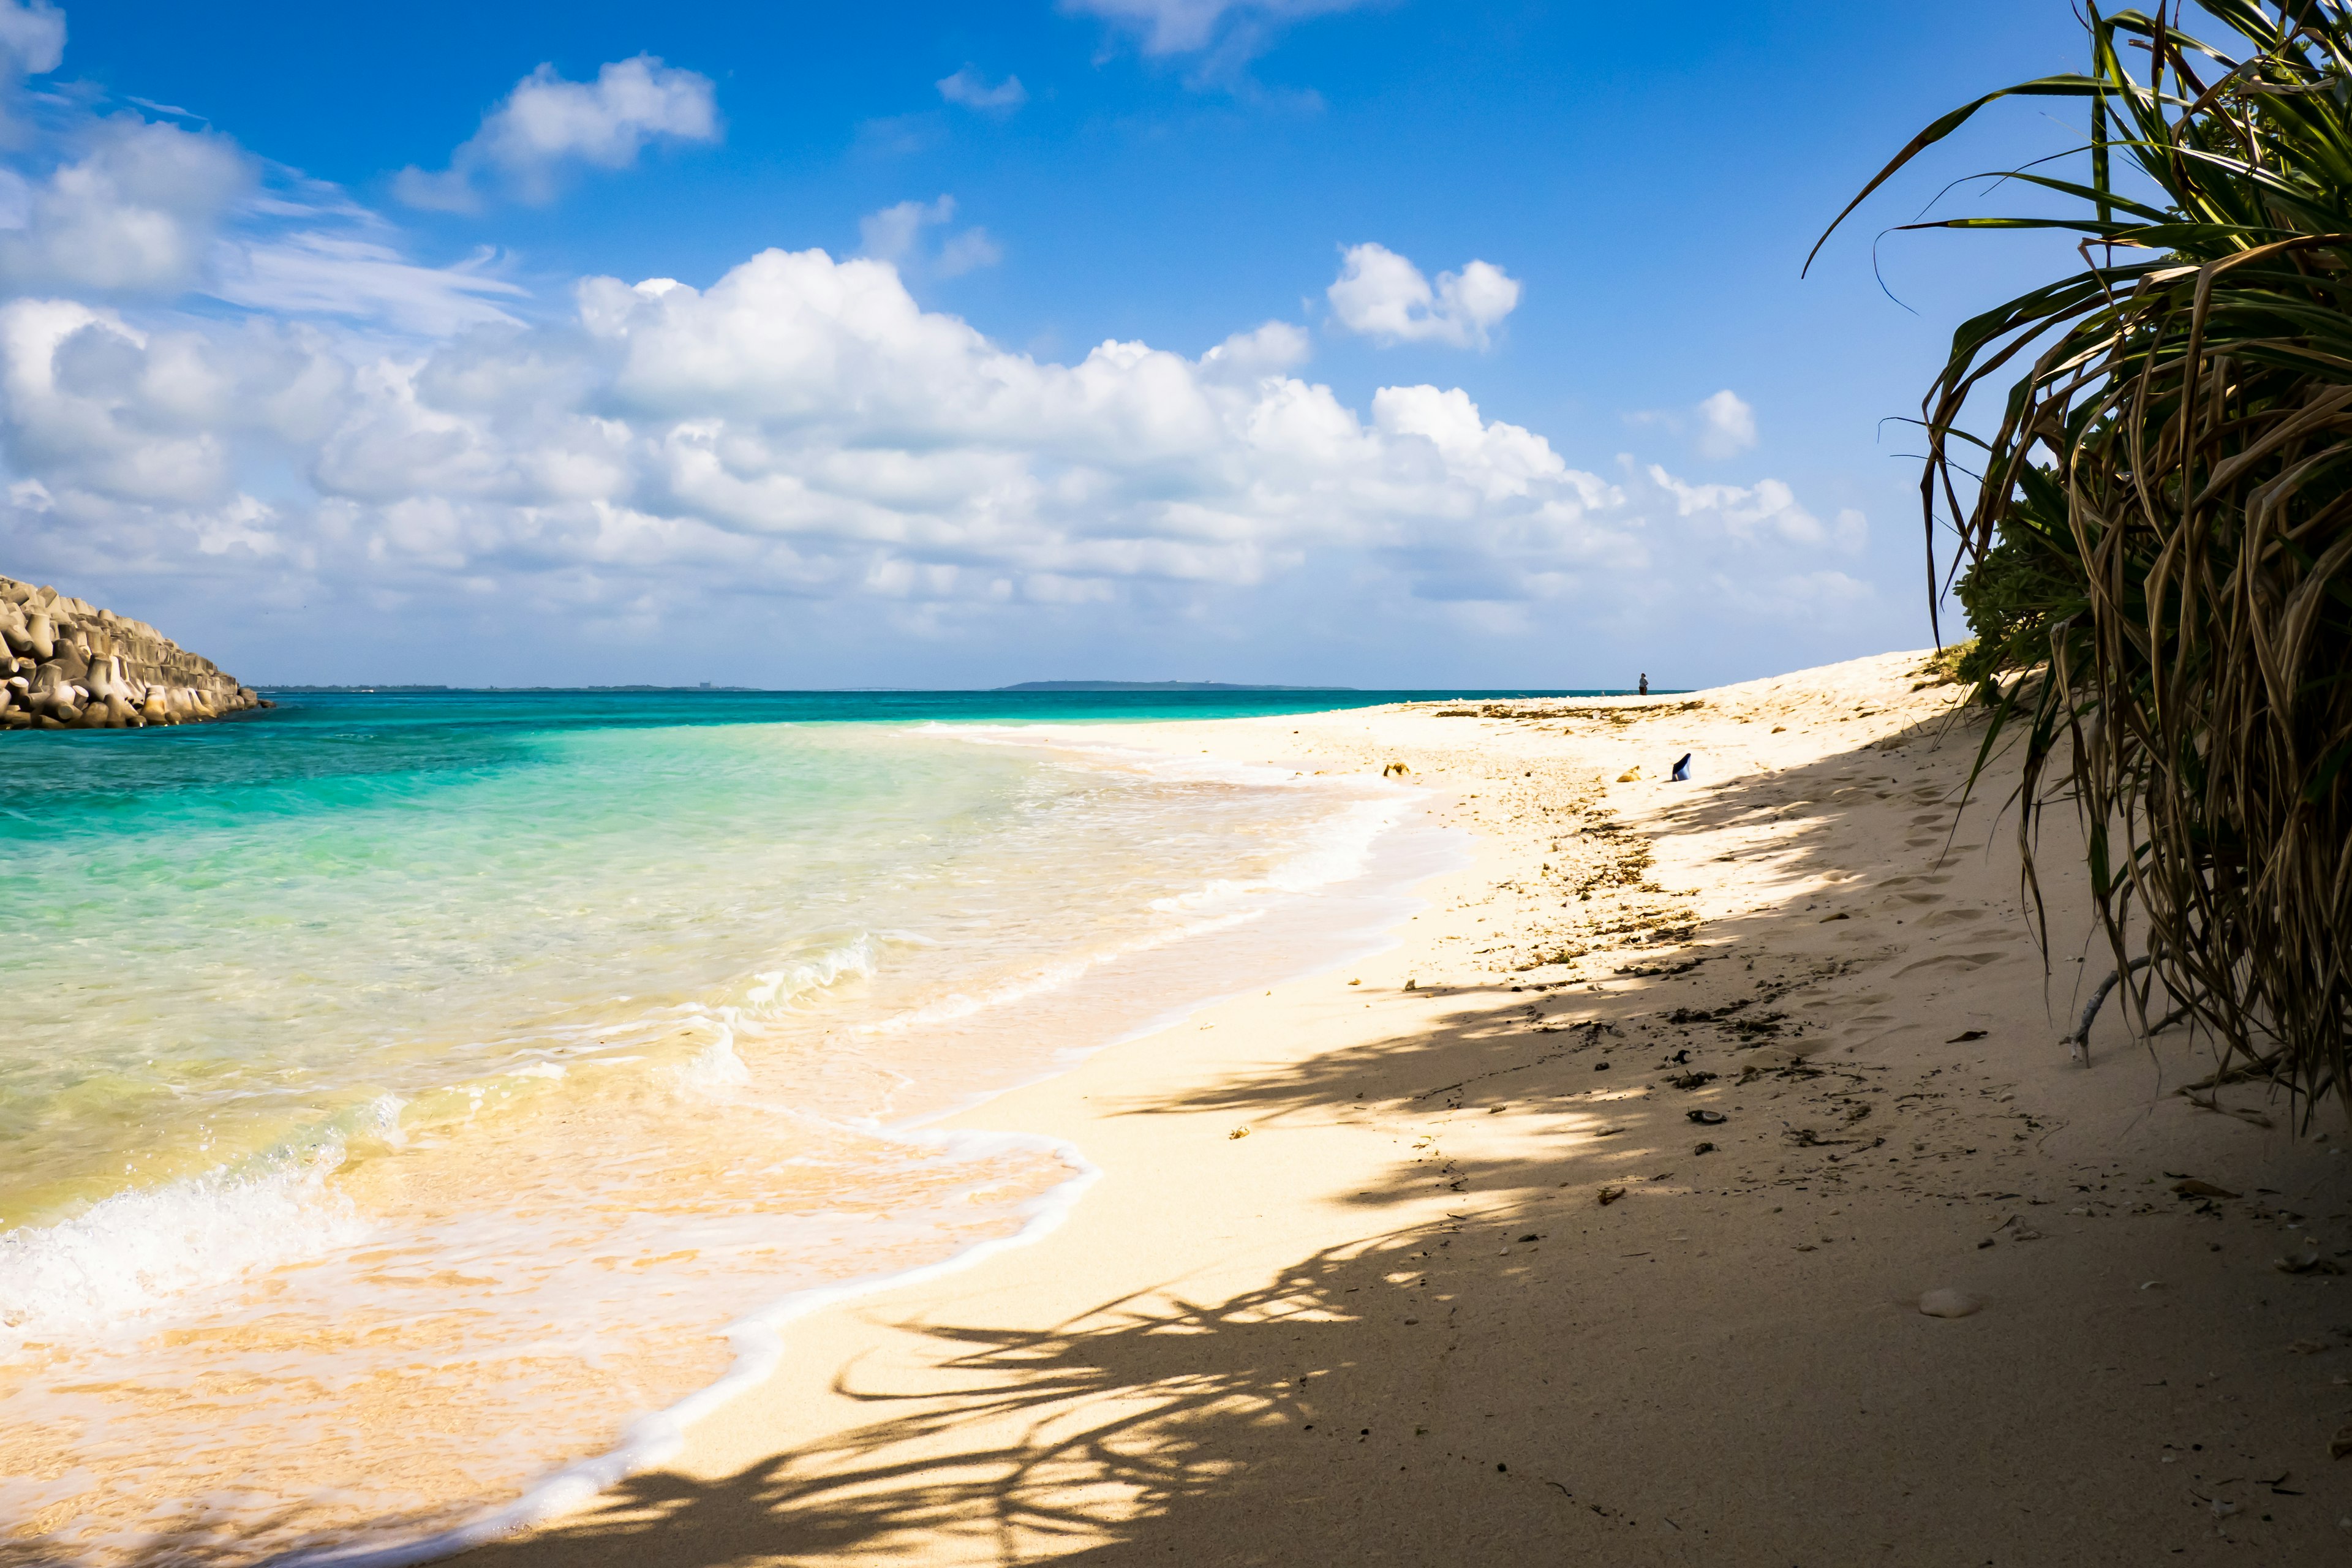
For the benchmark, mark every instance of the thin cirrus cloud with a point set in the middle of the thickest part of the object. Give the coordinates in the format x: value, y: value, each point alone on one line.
x: 136, y: 210
x: 547, y: 126
x: 972, y: 90
x: 1382, y: 296
x: 895, y: 235
x: 1192, y: 26
x: 314, y: 272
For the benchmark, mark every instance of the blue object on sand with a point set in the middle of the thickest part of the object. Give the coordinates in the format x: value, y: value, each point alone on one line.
x: 1682, y: 769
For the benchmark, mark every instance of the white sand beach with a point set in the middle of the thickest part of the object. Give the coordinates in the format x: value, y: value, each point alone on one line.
x: 1427, y: 1260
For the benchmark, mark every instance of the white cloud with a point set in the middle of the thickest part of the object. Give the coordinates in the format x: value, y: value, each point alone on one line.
x: 972, y: 90
x: 134, y: 213
x: 139, y: 210
x: 1720, y: 425
x: 100, y: 411
x: 894, y: 234
x: 965, y: 251
x: 1268, y: 349
x: 804, y: 427
x: 32, y: 36
x: 424, y: 455
x: 548, y: 126
x: 315, y: 273
x: 891, y: 234
x: 1727, y: 426
x: 1382, y: 296
x: 1767, y: 509
x: 1188, y: 27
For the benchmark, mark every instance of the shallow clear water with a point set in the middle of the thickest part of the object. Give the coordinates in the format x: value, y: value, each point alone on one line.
x: 400, y: 1092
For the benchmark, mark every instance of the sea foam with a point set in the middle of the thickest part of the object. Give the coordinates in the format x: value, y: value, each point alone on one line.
x: 140, y: 1254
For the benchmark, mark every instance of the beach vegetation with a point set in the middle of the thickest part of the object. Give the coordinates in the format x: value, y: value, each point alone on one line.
x: 2145, y: 467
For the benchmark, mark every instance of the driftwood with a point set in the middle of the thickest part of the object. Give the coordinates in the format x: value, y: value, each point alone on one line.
x: 2078, y: 1043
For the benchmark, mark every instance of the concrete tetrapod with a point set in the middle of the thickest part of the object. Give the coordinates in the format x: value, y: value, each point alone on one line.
x: 64, y: 663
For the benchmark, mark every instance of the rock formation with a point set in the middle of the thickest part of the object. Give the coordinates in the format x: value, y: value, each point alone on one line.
x: 65, y: 665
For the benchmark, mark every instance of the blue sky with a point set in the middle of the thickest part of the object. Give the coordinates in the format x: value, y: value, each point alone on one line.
x: 328, y: 344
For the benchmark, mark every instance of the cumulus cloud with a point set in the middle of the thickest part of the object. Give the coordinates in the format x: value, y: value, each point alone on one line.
x: 1268, y: 349
x: 1384, y: 297
x: 1720, y: 425
x: 96, y: 410
x: 972, y: 90
x: 32, y: 37
x: 413, y: 444
x: 1750, y: 513
x: 548, y: 126
x: 804, y: 428
x: 1727, y: 426
x: 135, y: 212
x: 894, y: 234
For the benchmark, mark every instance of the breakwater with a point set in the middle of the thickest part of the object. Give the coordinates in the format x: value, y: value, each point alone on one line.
x: 67, y: 665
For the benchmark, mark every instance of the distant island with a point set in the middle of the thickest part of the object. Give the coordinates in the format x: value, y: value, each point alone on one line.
x: 1157, y: 686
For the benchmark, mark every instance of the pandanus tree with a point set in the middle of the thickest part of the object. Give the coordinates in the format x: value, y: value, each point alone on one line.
x: 2155, y: 527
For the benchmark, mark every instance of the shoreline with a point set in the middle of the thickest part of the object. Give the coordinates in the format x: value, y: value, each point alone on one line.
x: 1152, y: 1376
x: 760, y: 1348
x: 1127, y: 976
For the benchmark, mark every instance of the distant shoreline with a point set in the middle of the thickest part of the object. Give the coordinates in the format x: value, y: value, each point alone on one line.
x: 1157, y: 686
x: 1697, y: 1150
x: 1030, y: 688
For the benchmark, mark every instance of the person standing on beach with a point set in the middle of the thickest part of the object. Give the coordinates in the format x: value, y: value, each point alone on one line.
x: 1646, y: 683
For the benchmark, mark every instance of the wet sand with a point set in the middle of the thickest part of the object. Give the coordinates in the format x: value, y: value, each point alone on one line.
x: 1419, y: 1262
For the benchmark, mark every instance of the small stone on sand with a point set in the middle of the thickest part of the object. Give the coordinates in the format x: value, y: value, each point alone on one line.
x: 1950, y: 1304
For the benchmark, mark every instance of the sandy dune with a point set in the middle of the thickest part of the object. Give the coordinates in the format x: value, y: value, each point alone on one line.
x: 1419, y: 1262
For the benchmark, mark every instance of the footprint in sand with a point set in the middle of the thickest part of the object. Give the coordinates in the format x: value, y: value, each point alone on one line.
x: 1961, y: 961
x: 1952, y: 917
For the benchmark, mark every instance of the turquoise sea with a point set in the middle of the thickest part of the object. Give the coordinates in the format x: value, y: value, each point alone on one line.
x: 402, y: 1092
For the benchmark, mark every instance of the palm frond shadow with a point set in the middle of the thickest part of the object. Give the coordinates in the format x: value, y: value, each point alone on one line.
x: 1152, y: 1405
x: 1162, y: 1415
x: 1122, y: 1417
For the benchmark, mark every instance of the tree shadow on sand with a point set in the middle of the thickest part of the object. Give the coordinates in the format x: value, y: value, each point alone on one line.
x: 1243, y: 1429
x: 1158, y: 1424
